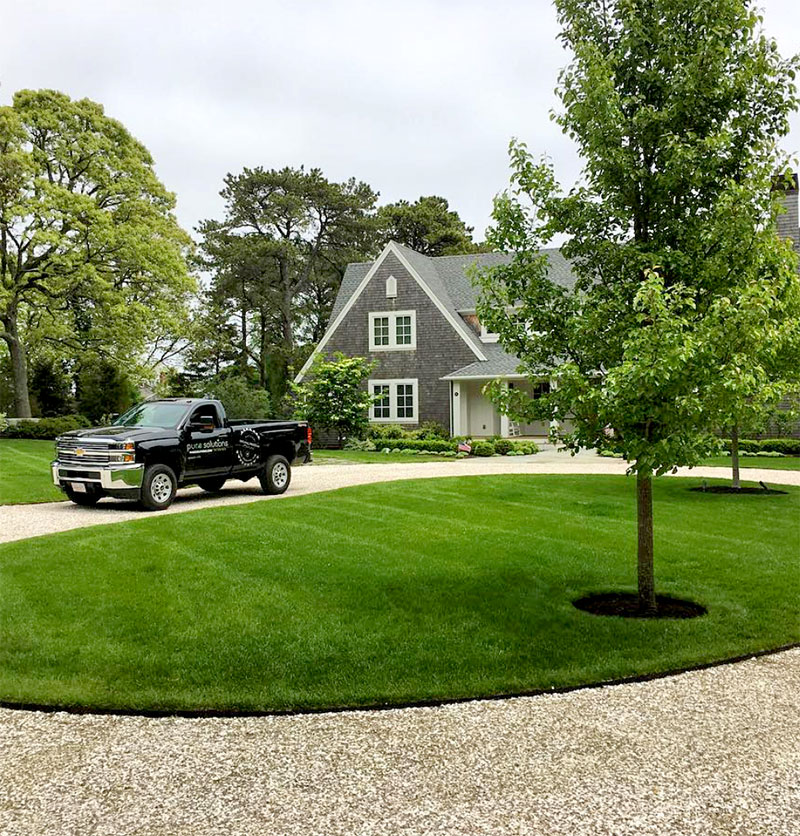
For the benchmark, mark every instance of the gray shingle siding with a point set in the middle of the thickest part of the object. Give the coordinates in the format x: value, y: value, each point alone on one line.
x: 439, y: 349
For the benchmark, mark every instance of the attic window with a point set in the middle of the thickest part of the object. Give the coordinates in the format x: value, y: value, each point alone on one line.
x: 391, y: 288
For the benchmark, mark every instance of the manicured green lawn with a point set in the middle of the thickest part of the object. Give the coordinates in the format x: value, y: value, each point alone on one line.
x: 389, y: 593
x: 25, y: 471
x: 365, y: 457
x: 763, y: 462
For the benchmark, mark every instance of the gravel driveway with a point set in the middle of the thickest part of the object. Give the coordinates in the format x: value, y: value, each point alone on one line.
x: 20, y: 521
x: 708, y: 752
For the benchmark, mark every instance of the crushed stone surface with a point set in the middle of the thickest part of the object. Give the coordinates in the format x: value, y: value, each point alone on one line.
x: 708, y: 752
x: 20, y: 521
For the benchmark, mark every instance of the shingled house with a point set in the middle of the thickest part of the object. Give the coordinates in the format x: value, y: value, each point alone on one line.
x: 415, y: 317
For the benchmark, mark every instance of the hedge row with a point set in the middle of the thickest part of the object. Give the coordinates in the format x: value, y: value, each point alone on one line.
x: 46, y: 427
x: 787, y: 446
x: 432, y: 445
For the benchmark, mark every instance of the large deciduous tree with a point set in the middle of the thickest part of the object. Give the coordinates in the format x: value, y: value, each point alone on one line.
x: 428, y: 226
x: 279, y: 253
x: 676, y: 107
x: 91, y: 256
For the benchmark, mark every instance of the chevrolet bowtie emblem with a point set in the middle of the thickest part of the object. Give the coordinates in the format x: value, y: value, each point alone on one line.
x: 79, y: 451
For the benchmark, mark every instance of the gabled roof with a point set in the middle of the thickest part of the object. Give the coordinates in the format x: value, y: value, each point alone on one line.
x: 447, y: 280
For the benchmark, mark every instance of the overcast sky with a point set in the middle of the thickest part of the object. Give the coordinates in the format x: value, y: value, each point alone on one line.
x: 412, y: 97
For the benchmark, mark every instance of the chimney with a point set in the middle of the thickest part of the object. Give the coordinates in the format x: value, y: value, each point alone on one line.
x: 788, y: 221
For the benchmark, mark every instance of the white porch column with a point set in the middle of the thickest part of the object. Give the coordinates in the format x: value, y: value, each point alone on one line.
x: 504, y: 418
x: 455, y: 408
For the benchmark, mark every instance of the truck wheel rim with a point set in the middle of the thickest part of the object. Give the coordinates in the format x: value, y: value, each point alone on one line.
x: 279, y: 474
x: 161, y: 487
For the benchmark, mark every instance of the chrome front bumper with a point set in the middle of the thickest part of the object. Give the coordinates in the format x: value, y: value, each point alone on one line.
x: 116, y: 477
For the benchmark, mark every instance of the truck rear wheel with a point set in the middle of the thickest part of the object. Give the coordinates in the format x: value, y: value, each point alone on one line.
x: 89, y: 498
x: 159, y: 487
x: 276, y: 475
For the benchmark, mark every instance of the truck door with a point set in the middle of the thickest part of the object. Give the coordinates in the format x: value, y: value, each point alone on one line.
x: 208, y: 450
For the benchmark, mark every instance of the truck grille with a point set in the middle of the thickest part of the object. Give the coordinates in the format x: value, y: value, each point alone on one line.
x: 75, y: 451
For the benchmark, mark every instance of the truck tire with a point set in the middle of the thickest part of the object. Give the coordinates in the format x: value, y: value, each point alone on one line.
x: 89, y: 498
x: 159, y: 486
x: 276, y: 475
x: 212, y: 485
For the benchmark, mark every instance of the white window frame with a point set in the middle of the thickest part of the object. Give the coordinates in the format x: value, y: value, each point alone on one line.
x: 393, y: 383
x: 488, y: 336
x: 393, y: 345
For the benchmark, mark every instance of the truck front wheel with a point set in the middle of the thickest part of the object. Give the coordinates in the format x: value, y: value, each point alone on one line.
x: 159, y: 486
x: 276, y: 475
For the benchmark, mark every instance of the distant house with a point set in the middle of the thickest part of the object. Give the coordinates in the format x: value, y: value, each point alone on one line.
x: 415, y: 317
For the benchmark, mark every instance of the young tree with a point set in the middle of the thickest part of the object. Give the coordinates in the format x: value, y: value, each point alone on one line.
x: 428, y: 226
x: 676, y: 107
x: 334, y: 396
x: 84, y: 224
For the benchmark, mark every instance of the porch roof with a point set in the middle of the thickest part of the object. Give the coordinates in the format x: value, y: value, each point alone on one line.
x: 497, y: 364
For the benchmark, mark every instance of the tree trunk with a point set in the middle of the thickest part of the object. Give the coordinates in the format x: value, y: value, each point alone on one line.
x: 735, y: 457
x: 644, y: 514
x: 19, y: 365
x: 243, y: 355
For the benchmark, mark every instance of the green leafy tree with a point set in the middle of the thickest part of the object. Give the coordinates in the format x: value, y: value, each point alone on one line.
x: 91, y: 256
x: 286, y: 236
x: 333, y: 396
x: 428, y: 226
x: 240, y: 398
x: 676, y: 107
x: 103, y: 389
x: 51, y: 388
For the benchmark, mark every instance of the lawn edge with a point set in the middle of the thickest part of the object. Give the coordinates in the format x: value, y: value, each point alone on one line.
x: 211, y: 713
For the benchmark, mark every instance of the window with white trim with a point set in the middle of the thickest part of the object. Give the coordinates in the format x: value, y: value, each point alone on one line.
x: 393, y: 331
x: 394, y: 401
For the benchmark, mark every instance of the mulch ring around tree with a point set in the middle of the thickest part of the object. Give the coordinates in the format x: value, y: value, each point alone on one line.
x: 626, y: 605
x: 729, y: 489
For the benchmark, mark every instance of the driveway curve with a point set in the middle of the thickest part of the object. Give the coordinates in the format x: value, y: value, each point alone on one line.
x: 20, y: 521
x: 708, y: 752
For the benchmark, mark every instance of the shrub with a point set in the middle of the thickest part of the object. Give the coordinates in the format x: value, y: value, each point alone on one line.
x: 366, y: 446
x: 787, y: 446
x: 46, y: 428
x: 483, y: 448
x: 3, y: 423
x: 503, y: 446
x: 432, y: 446
x: 385, y: 431
x: 432, y: 430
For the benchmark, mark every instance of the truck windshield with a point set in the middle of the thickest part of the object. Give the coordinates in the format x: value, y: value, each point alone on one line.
x: 166, y: 415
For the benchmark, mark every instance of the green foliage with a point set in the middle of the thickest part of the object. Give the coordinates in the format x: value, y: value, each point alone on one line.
x: 676, y: 109
x: 3, y: 422
x: 333, y: 396
x: 50, y: 388
x: 241, y: 399
x: 786, y: 446
x: 503, y: 446
x: 103, y: 389
x: 432, y: 429
x: 91, y: 256
x: 483, y: 448
x: 382, y: 431
x: 46, y: 428
x: 431, y: 445
x: 428, y: 226
x: 365, y: 445
x: 277, y: 258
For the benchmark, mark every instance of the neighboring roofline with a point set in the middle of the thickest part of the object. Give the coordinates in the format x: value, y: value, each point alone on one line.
x: 457, y: 376
x: 391, y: 247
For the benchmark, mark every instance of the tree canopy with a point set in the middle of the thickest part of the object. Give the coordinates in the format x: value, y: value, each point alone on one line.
x: 676, y: 107
x: 428, y: 226
x: 91, y: 256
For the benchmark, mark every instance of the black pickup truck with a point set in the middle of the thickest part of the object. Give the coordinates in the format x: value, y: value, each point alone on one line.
x: 162, y: 445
